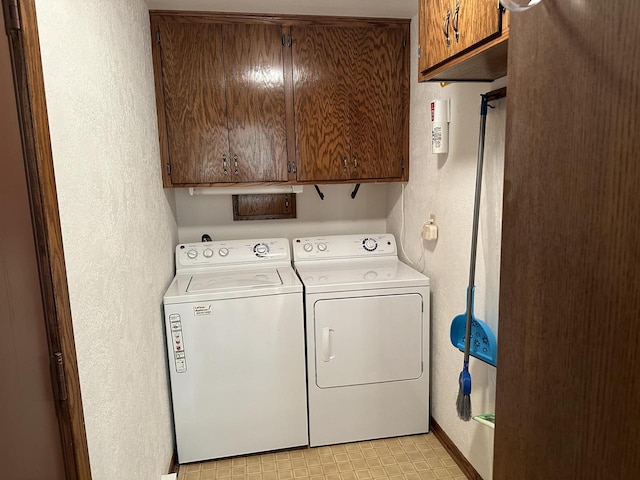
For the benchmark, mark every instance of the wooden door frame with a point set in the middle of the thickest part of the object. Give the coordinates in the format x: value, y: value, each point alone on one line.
x: 22, y: 30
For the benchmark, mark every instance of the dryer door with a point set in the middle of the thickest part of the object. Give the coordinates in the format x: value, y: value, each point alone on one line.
x: 362, y: 340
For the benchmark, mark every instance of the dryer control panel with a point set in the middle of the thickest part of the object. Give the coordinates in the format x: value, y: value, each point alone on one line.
x: 335, y: 247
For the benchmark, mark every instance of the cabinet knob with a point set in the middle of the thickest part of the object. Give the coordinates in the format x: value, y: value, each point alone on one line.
x: 355, y: 162
x: 224, y: 165
x: 445, y: 26
x: 235, y: 164
x: 344, y: 160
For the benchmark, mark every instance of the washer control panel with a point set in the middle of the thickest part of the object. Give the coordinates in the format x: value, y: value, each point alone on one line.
x: 179, y: 357
x: 344, y: 246
x: 193, y: 256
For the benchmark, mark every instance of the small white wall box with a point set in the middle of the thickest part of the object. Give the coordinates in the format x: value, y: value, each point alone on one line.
x: 430, y: 229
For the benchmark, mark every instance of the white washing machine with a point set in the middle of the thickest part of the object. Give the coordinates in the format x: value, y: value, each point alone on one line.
x: 367, y: 327
x: 235, y: 342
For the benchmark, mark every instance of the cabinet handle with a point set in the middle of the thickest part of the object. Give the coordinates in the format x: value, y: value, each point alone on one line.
x: 235, y: 164
x: 454, y: 21
x: 224, y: 165
x: 445, y: 27
x: 344, y: 160
x: 355, y: 162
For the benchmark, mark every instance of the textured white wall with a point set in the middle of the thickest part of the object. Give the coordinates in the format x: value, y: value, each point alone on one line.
x: 117, y: 223
x: 444, y: 185
x: 337, y: 214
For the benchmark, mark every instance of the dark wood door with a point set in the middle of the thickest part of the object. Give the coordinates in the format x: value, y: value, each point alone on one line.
x: 30, y: 445
x: 321, y: 77
x: 194, y: 103
x: 379, y: 96
x: 254, y: 73
x: 568, y: 388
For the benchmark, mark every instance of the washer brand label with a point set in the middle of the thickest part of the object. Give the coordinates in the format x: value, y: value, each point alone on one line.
x: 200, y: 310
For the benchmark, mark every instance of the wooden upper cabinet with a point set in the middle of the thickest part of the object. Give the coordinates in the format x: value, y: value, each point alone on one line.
x: 462, y: 40
x: 435, y: 32
x: 475, y: 21
x: 355, y: 128
x: 379, y: 103
x: 221, y: 102
x: 255, y: 102
x: 195, y: 111
x: 273, y: 99
x: 321, y: 102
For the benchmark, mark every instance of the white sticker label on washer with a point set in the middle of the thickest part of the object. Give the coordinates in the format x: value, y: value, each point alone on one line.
x: 200, y: 310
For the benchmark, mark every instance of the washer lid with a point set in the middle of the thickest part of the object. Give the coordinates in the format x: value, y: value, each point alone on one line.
x: 345, y: 275
x: 232, y: 283
x: 232, y: 280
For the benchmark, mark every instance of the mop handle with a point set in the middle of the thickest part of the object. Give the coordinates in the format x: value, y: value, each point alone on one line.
x: 476, y: 218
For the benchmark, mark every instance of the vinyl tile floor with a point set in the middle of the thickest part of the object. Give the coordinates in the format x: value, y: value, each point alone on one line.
x: 416, y: 457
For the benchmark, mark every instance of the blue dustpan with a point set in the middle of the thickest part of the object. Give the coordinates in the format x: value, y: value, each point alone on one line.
x: 483, y: 344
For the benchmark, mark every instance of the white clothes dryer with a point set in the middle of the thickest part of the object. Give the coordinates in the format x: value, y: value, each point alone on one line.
x: 367, y: 328
x: 235, y: 343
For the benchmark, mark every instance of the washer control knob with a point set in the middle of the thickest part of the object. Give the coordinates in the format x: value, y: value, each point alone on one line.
x: 192, y: 254
x: 371, y: 275
x: 369, y: 244
x: 223, y: 252
x: 260, y: 249
x: 208, y: 253
x: 322, y: 247
x: 307, y: 247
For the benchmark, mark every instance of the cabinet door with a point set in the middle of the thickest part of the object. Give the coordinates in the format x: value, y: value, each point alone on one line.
x: 194, y: 98
x: 380, y: 90
x: 321, y: 73
x: 478, y: 20
x: 435, y: 16
x: 253, y: 66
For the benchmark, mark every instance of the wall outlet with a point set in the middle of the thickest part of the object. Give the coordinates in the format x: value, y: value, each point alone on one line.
x: 430, y: 229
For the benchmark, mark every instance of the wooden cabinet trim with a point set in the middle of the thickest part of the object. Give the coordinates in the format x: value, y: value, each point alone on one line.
x: 484, y: 63
x: 407, y: 104
x: 160, y: 107
x: 284, y: 20
x: 292, y: 163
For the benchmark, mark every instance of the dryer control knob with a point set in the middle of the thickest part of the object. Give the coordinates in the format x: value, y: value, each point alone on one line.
x: 223, y: 252
x: 322, y: 247
x: 192, y: 254
x: 369, y: 244
x: 208, y: 253
x: 307, y: 247
x: 260, y: 249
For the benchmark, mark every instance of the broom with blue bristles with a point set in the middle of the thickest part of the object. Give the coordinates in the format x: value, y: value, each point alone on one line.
x: 463, y: 402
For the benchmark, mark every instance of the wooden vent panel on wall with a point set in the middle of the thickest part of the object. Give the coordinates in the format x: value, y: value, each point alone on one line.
x: 264, y: 206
